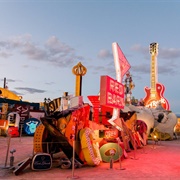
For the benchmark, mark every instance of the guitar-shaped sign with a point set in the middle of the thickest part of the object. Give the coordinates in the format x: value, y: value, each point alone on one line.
x: 154, y: 95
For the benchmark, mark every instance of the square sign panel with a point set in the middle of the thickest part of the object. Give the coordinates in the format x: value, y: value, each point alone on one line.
x: 111, y: 92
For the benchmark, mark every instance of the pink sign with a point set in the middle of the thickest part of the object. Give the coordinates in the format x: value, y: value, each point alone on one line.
x: 124, y: 64
x: 111, y: 92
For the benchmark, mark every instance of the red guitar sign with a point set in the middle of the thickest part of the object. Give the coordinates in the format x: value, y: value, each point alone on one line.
x: 155, y: 94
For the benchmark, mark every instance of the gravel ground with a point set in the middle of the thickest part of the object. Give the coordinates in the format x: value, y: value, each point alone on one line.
x: 153, y: 161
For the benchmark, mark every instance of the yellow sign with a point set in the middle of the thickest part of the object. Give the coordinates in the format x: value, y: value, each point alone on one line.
x: 79, y: 70
x: 5, y: 93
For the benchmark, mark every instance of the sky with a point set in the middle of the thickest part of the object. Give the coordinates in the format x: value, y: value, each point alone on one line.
x: 42, y: 40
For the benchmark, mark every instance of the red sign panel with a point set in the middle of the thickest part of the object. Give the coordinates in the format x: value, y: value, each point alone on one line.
x: 111, y: 134
x: 23, y: 111
x: 96, y: 105
x: 111, y: 92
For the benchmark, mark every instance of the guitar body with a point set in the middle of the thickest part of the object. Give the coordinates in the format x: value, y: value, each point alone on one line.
x: 152, y: 99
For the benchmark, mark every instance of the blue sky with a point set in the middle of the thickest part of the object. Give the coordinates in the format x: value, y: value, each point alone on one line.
x: 41, y: 41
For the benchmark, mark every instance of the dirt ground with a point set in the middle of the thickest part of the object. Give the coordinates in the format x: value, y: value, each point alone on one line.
x: 153, y: 161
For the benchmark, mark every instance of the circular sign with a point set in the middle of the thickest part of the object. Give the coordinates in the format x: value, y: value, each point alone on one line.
x: 109, y: 150
x: 30, y: 125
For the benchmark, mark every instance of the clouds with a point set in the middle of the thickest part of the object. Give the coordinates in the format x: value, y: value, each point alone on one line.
x: 5, y: 54
x: 24, y: 89
x: 33, y: 52
x: 141, y: 68
x: 56, y: 53
x: 103, y: 53
x: 55, y: 46
x: 164, y: 53
x: 30, y: 90
x: 140, y: 49
x: 52, y: 51
x: 170, y: 53
x: 59, y: 54
x: 167, y: 60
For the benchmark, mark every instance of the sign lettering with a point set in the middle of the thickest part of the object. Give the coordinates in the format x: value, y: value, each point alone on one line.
x: 111, y: 92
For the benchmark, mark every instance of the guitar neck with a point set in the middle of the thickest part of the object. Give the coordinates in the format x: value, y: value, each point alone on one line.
x: 153, y: 52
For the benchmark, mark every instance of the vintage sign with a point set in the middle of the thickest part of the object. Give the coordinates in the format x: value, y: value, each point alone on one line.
x: 111, y: 92
x: 41, y: 161
x: 109, y: 134
x: 51, y: 106
x: 121, y: 63
x: 96, y: 106
x: 30, y: 125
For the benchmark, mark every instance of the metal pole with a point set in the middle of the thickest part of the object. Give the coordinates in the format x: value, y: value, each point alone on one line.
x: 111, y: 162
x: 73, y: 158
x: 112, y: 153
x: 20, y: 133
x: 9, y: 140
x: 120, y: 164
x: 135, y: 149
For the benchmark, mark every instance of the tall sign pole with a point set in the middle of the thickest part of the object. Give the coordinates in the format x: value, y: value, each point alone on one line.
x: 79, y: 70
x: 121, y: 66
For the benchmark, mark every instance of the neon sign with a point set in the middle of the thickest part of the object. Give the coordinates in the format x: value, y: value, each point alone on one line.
x: 155, y: 94
x: 153, y: 103
x: 111, y: 92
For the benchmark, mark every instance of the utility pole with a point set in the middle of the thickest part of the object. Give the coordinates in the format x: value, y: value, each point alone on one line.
x: 4, y: 83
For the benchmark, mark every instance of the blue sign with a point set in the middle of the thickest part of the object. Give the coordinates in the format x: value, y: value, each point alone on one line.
x: 30, y: 125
